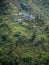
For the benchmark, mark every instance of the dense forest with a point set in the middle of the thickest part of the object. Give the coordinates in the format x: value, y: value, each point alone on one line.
x: 24, y: 32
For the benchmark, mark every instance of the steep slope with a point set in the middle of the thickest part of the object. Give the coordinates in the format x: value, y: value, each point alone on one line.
x: 24, y: 43
x: 36, y: 7
x: 4, y: 5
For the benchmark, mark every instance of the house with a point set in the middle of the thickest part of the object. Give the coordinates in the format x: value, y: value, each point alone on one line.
x: 35, y: 26
x: 14, y: 19
x: 26, y: 16
x: 20, y: 14
x: 32, y: 17
x: 19, y: 20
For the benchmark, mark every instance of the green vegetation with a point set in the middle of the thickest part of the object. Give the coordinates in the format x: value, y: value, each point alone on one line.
x: 39, y: 7
x: 22, y: 43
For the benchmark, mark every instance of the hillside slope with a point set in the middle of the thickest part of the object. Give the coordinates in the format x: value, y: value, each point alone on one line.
x: 36, y: 7
x: 25, y: 42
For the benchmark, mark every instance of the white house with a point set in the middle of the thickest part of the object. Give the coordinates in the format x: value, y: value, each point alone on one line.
x: 19, y: 20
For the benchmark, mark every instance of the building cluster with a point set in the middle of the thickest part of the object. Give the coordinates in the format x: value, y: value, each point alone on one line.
x: 26, y: 16
x: 22, y: 16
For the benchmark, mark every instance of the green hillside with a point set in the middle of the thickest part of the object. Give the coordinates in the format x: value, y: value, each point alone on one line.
x: 40, y: 7
x: 24, y: 42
